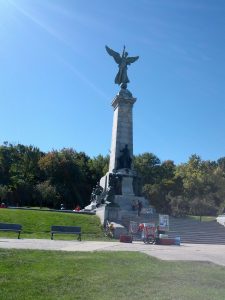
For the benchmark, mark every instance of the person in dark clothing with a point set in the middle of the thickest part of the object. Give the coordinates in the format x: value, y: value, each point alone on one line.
x: 139, y: 207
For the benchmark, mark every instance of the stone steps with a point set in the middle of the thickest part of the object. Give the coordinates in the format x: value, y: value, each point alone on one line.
x: 204, y: 233
x: 190, y: 231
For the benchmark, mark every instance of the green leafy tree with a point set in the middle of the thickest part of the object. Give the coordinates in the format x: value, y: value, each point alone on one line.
x: 221, y: 165
x: 147, y: 166
x: 203, y: 185
x: 179, y: 205
x: 202, y: 206
x: 47, y: 195
x: 7, y: 154
x: 4, y: 193
x: 98, y: 166
x: 19, y: 171
x: 159, y: 180
x: 68, y: 171
x: 158, y: 194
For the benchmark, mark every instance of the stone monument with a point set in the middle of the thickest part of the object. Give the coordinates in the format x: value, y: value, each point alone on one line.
x: 121, y: 186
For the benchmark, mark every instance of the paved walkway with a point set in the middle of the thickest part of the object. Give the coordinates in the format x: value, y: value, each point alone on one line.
x: 192, y: 252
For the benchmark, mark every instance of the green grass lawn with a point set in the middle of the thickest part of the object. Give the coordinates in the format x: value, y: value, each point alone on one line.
x: 203, y: 218
x: 45, y: 275
x: 37, y: 224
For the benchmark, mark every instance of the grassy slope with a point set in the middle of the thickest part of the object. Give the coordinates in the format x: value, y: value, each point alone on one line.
x: 36, y: 224
x: 44, y: 275
x: 203, y: 218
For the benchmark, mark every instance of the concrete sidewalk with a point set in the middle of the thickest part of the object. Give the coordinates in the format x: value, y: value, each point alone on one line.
x: 191, y: 252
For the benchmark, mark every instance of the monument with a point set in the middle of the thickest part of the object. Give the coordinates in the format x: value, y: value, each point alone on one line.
x: 121, y: 187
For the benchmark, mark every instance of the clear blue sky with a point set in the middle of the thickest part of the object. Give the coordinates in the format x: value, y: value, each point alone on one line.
x: 57, y: 81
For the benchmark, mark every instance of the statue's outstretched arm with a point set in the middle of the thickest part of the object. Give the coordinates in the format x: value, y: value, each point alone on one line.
x: 114, y: 54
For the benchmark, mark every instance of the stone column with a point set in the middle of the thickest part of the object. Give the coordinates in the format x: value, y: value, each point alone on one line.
x: 122, y: 131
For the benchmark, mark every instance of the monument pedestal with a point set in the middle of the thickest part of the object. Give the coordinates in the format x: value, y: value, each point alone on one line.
x: 120, y: 213
x: 123, y: 205
x: 121, y: 186
x: 124, y: 182
x: 121, y: 153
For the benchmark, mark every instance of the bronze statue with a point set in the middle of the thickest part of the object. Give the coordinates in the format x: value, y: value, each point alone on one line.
x: 124, y: 160
x: 115, y: 181
x: 122, y: 61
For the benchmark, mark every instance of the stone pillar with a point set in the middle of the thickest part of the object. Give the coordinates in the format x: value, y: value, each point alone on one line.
x: 122, y: 131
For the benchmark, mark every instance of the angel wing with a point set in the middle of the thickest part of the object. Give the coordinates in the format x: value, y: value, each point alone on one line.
x: 131, y: 60
x: 114, y: 54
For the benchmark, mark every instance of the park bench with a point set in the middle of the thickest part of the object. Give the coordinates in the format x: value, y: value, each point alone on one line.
x: 11, y: 227
x: 66, y: 230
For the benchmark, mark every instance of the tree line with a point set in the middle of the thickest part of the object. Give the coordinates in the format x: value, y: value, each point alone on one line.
x: 30, y: 177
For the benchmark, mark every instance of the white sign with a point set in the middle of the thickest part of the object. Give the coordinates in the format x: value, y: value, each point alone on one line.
x: 164, y: 222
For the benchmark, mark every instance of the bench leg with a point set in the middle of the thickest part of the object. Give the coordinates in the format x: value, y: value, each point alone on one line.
x: 19, y: 235
x: 51, y: 236
x: 79, y: 237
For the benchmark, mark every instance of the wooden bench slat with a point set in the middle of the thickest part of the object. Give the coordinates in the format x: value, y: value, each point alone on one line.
x: 11, y: 227
x: 66, y: 230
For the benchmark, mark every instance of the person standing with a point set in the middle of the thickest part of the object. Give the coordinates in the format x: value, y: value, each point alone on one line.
x: 139, y: 206
x: 134, y: 205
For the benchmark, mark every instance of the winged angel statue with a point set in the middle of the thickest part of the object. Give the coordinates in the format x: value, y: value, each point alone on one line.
x: 122, y: 61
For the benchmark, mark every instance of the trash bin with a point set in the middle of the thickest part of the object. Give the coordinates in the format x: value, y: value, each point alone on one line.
x: 126, y: 239
x: 177, y: 240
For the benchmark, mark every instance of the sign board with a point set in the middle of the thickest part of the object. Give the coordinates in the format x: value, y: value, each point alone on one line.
x: 133, y: 228
x: 164, y: 222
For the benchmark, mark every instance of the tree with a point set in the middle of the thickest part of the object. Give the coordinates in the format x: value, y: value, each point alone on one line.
x: 167, y: 169
x: 98, y: 166
x: 202, y: 206
x: 179, y: 205
x: 158, y: 194
x: 203, y: 185
x: 4, y: 193
x: 7, y: 152
x: 19, y: 171
x: 47, y: 195
x: 221, y: 165
x: 147, y: 166
x: 68, y: 171
x: 159, y: 180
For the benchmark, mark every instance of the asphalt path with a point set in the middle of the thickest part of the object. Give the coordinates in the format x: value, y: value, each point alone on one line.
x: 184, y: 252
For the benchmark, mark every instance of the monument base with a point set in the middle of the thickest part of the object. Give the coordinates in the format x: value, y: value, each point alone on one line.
x: 124, y: 182
x: 121, y: 211
x: 126, y: 203
x: 123, y: 206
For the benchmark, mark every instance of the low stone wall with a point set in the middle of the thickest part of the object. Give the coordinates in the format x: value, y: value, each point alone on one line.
x: 221, y: 219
